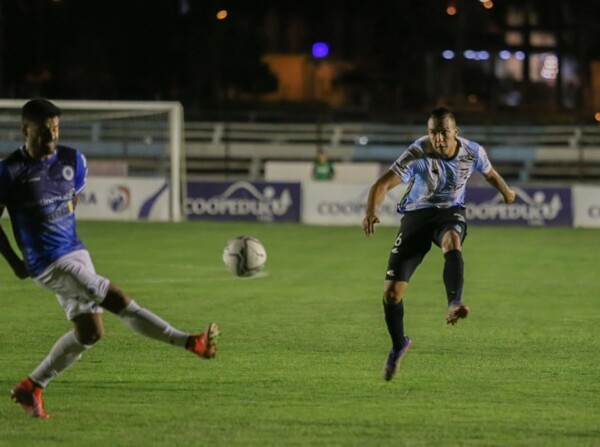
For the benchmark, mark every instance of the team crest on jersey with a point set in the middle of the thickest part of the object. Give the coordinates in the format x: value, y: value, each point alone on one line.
x: 68, y: 173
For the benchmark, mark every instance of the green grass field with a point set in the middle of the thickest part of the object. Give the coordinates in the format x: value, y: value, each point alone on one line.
x: 302, y: 348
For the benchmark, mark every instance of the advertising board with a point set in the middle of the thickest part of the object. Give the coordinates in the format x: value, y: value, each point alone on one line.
x: 243, y: 201
x: 124, y: 198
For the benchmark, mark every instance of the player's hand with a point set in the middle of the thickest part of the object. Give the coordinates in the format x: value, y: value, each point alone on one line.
x: 509, y: 196
x: 369, y: 224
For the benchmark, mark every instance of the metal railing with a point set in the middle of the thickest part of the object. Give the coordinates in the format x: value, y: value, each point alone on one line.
x: 219, y: 148
x: 525, y: 153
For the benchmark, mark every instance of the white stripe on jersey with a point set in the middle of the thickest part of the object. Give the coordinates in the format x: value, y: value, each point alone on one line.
x: 435, y: 181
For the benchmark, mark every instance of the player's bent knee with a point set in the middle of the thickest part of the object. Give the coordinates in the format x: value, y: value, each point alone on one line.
x: 116, y: 300
x: 89, y: 328
x: 89, y: 334
x: 451, y: 240
x: 394, y: 291
x: 88, y: 339
x: 391, y: 298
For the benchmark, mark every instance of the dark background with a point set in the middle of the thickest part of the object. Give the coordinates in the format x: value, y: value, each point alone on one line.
x: 178, y: 50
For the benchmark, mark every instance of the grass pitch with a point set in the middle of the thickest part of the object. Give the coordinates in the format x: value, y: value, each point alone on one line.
x: 302, y: 347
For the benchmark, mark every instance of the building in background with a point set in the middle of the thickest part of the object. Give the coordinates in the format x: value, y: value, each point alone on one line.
x: 511, y: 58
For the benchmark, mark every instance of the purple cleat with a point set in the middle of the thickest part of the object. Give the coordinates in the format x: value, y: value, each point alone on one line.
x: 392, y: 364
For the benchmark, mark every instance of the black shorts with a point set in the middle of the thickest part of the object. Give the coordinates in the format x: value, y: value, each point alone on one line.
x: 418, y: 229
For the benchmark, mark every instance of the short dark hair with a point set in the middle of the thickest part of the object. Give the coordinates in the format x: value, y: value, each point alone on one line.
x: 39, y: 109
x: 441, y: 113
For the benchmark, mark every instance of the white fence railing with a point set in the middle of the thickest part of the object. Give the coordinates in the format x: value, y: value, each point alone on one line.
x: 242, y: 148
x: 526, y: 152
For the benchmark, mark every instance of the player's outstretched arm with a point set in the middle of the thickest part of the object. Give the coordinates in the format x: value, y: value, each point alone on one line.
x: 377, y: 193
x: 11, y: 257
x: 496, y: 180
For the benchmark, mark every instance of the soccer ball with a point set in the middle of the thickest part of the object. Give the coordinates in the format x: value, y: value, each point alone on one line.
x: 244, y: 256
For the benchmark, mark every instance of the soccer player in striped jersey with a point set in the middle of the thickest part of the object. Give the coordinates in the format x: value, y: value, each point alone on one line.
x: 39, y: 185
x: 436, y: 168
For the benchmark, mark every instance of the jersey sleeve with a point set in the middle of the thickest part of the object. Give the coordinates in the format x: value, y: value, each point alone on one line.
x: 404, y: 165
x: 482, y: 164
x: 81, y: 171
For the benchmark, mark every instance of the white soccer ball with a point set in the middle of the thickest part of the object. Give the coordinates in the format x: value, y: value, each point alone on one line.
x: 244, y: 256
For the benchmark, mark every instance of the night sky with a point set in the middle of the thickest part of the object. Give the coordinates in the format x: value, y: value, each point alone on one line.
x: 178, y: 50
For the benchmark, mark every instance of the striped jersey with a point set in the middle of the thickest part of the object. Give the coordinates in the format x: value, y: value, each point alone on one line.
x: 39, y: 197
x: 435, y: 181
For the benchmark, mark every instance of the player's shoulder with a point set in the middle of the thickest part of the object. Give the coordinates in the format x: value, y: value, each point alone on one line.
x: 67, y: 153
x: 421, y: 147
x: 11, y: 166
x: 66, y: 149
x: 470, y: 146
x: 13, y: 161
x: 16, y: 156
x: 421, y: 143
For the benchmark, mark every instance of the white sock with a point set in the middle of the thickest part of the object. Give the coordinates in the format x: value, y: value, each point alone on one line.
x: 146, y: 323
x: 66, y: 351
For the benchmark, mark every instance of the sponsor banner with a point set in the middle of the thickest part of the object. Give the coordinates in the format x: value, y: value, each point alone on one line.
x: 124, y: 198
x: 532, y: 207
x: 345, y: 204
x: 586, y: 206
x: 242, y: 200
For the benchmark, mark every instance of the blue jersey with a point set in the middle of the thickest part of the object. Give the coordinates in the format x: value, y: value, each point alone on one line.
x: 39, y: 197
x: 434, y: 181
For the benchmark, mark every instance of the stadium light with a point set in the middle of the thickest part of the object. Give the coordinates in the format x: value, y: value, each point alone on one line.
x: 448, y: 55
x: 320, y: 50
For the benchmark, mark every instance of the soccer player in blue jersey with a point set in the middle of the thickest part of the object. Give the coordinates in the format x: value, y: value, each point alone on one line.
x: 39, y: 186
x: 436, y: 168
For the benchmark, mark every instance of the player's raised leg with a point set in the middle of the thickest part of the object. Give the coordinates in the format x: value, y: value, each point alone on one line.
x: 146, y: 323
x: 205, y: 344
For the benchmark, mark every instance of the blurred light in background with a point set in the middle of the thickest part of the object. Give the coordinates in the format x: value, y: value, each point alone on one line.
x: 363, y: 140
x: 320, y: 50
x: 597, y: 116
x: 184, y: 7
x: 476, y: 55
x: 222, y: 14
x: 451, y: 9
x: 448, y: 55
x: 520, y: 55
x: 550, y: 67
x: 505, y: 55
x: 488, y: 4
